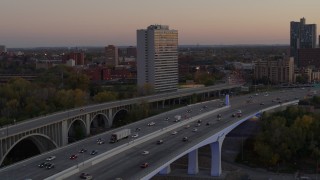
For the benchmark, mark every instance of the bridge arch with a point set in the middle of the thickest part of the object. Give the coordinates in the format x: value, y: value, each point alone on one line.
x: 118, y: 116
x: 99, y: 123
x: 42, y: 142
x: 76, y: 130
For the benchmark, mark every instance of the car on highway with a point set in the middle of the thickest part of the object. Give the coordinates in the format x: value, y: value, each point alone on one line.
x: 199, y: 121
x: 43, y: 164
x: 135, y: 135
x: 174, y: 132
x: 50, y: 166
x: 151, y: 124
x: 145, y: 153
x: 184, y: 139
x: 144, y: 165
x: 94, y: 152
x: 187, y: 126
x: 207, y: 124
x: 82, y: 150
x: 100, y: 142
x: 239, y: 113
x: 198, y: 124
x: 160, y: 141
x: 138, y: 129
x: 74, y: 156
x: 219, y: 116
x: 167, y: 119
x: 85, y: 176
x: 261, y: 104
x: 51, y: 158
x: 194, y: 130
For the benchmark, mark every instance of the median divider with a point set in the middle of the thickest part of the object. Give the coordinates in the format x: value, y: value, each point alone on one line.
x: 101, y: 157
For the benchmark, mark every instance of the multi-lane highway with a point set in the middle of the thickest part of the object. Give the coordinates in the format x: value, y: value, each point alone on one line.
x: 127, y: 163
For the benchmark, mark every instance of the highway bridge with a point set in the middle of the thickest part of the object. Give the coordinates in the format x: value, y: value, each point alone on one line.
x: 113, y: 160
x: 54, y: 130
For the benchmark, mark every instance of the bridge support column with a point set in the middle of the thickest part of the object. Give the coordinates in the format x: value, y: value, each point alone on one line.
x: 64, y: 135
x: 163, y: 102
x: 227, y: 100
x: 216, y: 156
x: 110, y: 119
x: 165, y: 170
x: 193, y: 167
x: 88, y: 124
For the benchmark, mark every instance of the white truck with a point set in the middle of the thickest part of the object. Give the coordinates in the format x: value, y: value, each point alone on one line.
x: 124, y: 133
x: 177, y: 118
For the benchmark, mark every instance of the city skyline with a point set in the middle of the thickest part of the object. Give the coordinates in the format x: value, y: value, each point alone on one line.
x: 35, y: 23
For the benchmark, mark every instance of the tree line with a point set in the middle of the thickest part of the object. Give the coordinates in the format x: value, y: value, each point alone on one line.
x: 56, y: 89
x: 290, y: 138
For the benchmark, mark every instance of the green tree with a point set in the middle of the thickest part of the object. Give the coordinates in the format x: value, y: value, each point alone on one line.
x: 105, y: 97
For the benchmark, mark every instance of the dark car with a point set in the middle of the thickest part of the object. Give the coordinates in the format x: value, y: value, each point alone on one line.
x: 184, y: 139
x: 144, y: 165
x: 50, y: 166
x: 82, y: 150
x: 43, y: 164
x: 85, y: 176
x: 74, y: 156
x: 160, y: 141
x: 94, y: 152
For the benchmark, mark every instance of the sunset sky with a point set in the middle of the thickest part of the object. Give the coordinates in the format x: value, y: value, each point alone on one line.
x: 35, y: 23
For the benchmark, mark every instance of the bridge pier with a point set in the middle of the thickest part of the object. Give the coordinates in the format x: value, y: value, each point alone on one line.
x: 64, y: 132
x: 216, y: 156
x: 227, y: 100
x: 165, y: 170
x: 88, y: 124
x: 193, y: 167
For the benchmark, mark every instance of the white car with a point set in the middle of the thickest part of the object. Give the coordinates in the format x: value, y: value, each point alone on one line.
x: 145, y: 152
x: 151, y: 124
x: 50, y: 158
x: 174, y: 132
x: 135, y: 135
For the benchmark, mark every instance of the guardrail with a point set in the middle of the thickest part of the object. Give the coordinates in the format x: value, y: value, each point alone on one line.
x: 97, y: 159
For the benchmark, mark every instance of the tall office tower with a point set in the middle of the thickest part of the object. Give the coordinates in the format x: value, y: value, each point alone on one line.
x: 112, y: 55
x: 157, y: 58
x: 302, y: 35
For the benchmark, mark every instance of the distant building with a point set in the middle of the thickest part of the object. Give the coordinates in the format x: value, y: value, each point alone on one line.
x: 3, y: 49
x: 78, y: 57
x: 157, y: 58
x: 302, y: 36
x: 111, y: 55
x: 277, y: 70
x: 132, y: 52
x: 71, y: 63
x: 309, y: 58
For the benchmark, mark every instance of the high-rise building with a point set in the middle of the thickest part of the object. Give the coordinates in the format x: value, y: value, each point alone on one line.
x: 275, y: 69
x: 302, y: 36
x: 157, y: 58
x: 111, y: 55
